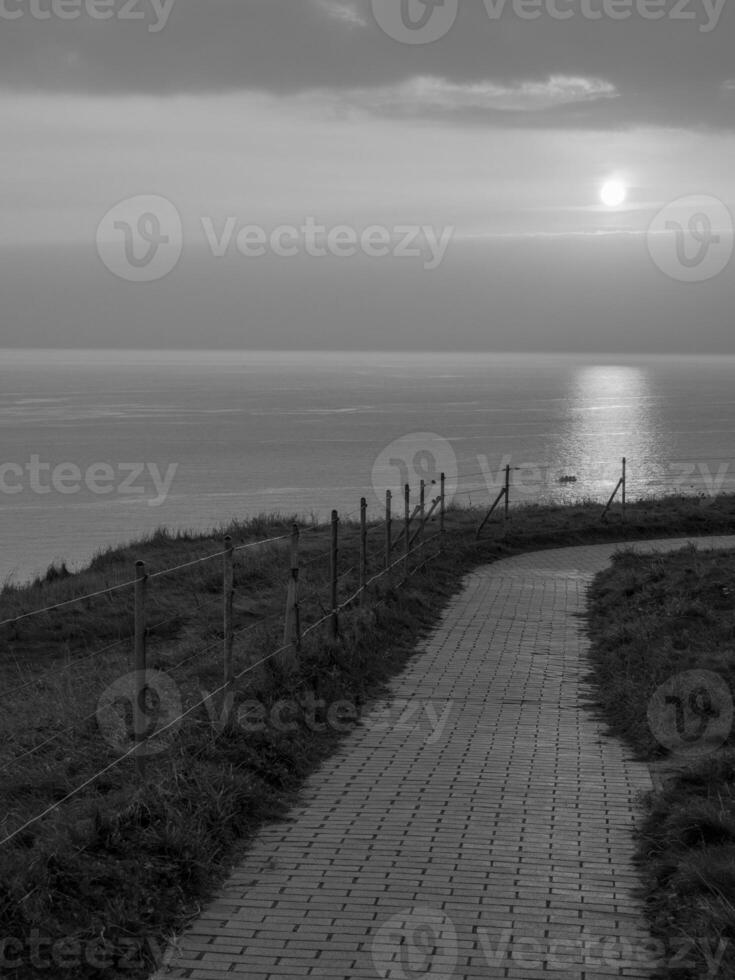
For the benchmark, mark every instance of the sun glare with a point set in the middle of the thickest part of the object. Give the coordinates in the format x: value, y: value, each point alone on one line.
x: 613, y: 193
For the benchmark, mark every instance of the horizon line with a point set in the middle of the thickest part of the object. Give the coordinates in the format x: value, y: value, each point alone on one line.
x: 346, y: 350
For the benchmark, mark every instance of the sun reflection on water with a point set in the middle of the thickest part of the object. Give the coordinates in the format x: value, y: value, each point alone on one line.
x: 613, y: 413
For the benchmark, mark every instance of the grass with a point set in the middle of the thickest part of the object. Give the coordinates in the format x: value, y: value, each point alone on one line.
x: 113, y: 871
x: 652, y: 619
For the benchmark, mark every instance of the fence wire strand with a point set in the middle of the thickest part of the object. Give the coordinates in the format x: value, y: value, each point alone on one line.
x: 67, y: 602
x: 402, y: 560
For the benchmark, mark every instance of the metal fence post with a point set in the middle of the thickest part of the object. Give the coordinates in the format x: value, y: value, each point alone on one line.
x: 334, y: 555
x: 139, y: 720
x: 507, y: 492
x: 624, y: 484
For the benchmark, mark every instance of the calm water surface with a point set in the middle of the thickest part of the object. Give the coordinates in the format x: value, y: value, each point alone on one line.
x: 243, y: 433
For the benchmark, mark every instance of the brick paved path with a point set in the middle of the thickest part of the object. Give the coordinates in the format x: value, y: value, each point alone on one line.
x: 478, y: 824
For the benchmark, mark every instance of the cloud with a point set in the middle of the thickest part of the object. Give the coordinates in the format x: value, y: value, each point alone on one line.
x: 664, y: 72
x: 343, y: 11
x: 427, y: 94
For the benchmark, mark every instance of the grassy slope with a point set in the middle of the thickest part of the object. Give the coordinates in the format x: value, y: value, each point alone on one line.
x: 133, y: 864
x: 650, y: 619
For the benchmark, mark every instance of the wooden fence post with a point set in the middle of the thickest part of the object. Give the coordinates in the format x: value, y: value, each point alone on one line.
x: 442, y: 513
x: 295, y: 562
x: 608, y: 505
x: 292, y: 626
x: 363, y: 550
x: 422, y: 517
x: 388, y: 519
x: 139, y: 719
x: 334, y: 556
x: 228, y: 592
x: 407, y: 527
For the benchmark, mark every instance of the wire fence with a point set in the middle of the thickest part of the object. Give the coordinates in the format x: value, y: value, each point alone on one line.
x: 592, y: 478
x: 143, y: 670
x: 216, y: 613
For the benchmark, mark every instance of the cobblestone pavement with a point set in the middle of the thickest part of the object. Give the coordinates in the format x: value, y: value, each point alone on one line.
x: 476, y: 824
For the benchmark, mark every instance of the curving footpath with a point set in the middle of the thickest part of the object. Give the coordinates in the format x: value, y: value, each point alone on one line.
x: 477, y: 824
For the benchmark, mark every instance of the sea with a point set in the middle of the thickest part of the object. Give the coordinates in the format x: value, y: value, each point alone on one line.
x: 99, y: 448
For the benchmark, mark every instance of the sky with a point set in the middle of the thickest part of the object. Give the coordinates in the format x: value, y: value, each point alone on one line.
x: 361, y: 174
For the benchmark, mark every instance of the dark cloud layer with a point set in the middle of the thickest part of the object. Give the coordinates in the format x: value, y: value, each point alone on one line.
x: 666, y: 72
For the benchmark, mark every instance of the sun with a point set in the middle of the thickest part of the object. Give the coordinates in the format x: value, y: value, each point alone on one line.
x: 613, y: 193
